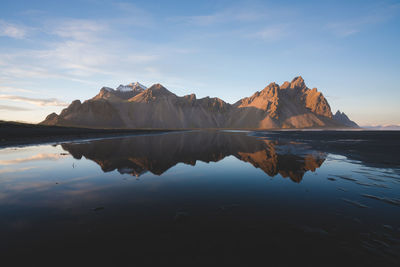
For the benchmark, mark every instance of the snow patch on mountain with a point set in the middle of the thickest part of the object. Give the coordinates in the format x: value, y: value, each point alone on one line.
x: 131, y: 87
x: 108, y: 89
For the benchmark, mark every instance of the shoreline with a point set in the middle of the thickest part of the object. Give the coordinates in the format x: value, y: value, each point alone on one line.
x: 22, y: 134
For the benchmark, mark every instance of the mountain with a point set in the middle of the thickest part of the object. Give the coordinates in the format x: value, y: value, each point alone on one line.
x: 342, y: 118
x: 131, y: 87
x: 383, y: 127
x: 291, y: 105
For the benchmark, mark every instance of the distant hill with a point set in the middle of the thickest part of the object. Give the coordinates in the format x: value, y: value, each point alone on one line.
x: 383, y: 127
x: 291, y: 105
x: 342, y: 118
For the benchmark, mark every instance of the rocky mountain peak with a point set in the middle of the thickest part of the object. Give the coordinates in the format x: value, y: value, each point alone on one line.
x: 106, y: 89
x: 190, y: 98
x: 285, y: 85
x: 122, y: 93
x: 153, y: 93
x: 317, y: 103
x: 159, y: 89
x: 136, y: 86
x: 297, y: 83
x: 342, y: 118
x: 271, y: 91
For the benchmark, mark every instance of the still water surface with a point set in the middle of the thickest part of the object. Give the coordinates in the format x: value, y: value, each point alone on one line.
x: 201, y: 197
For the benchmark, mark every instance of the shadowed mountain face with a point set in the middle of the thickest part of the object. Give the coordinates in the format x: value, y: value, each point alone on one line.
x: 342, y: 118
x: 291, y: 105
x: 158, y: 153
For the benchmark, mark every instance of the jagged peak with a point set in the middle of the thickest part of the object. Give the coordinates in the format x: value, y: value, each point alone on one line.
x: 155, y: 91
x: 272, y: 85
x: 297, y: 82
x: 341, y: 114
x: 51, y: 116
x: 342, y: 118
x: 298, y: 79
x: 159, y: 88
x: 272, y: 90
x: 136, y: 86
x: 213, y: 98
x: 269, y: 87
x: 285, y: 85
x: 191, y: 96
x: 105, y: 88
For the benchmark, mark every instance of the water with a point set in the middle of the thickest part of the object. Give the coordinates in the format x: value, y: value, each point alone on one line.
x: 201, y: 197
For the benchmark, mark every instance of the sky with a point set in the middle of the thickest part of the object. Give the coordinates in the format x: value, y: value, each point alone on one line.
x: 53, y: 52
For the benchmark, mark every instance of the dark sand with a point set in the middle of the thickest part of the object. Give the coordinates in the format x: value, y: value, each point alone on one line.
x: 373, y: 148
x: 20, y: 134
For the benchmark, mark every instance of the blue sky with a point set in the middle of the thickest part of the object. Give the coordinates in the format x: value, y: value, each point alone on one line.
x: 52, y: 52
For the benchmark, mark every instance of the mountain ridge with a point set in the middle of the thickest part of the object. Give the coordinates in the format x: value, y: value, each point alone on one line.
x: 291, y: 105
x: 344, y: 119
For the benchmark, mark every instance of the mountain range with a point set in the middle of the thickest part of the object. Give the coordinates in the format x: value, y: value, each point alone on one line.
x: 390, y: 127
x: 290, y: 105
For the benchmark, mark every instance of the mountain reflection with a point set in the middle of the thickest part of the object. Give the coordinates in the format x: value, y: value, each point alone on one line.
x: 158, y: 153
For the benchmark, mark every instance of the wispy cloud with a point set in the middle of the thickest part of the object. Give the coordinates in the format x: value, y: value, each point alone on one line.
x: 12, y: 30
x: 380, y: 14
x: 132, y: 15
x: 350, y: 27
x: 34, y: 64
x: 35, y: 101
x: 79, y: 50
x: 272, y: 33
x: 13, y: 108
x: 234, y: 14
x: 14, y: 89
x: 78, y: 29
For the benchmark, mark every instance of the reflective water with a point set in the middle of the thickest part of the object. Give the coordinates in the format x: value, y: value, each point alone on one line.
x: 237, y: 198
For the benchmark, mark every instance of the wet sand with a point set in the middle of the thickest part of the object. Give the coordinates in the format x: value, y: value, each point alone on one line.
x: 373, y: 148
x: 21, y: 134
